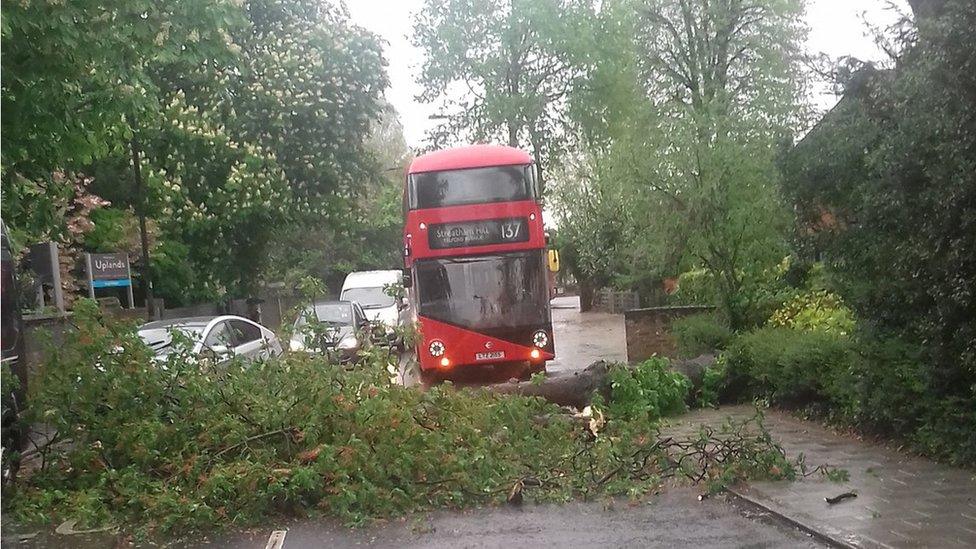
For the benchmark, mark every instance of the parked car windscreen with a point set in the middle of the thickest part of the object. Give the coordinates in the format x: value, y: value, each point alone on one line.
x: 329, y: 313
x: 160, y: 340
x: 368, y: 298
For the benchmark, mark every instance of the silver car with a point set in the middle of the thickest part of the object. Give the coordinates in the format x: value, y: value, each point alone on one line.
x: 219, y: 338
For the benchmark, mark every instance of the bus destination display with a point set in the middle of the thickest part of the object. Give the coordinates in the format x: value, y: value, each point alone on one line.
x: 478, y: 233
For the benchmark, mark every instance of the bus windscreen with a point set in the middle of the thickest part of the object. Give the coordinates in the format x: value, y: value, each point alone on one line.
x: 484, y: 292
x: 470, y: 186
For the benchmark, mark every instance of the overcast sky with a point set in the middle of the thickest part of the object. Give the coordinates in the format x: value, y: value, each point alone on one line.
x: 837, y: 28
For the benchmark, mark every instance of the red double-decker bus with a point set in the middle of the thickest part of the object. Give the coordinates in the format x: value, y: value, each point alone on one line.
x: 475, y: 258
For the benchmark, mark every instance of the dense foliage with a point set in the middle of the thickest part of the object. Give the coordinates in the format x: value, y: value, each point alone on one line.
x: 677, y: 170
x: 177, y: 444
x: 815, y: 310
x: 250, y: 119
x: 885, y: 192
x: 881, y: 386
x: 647, y: 391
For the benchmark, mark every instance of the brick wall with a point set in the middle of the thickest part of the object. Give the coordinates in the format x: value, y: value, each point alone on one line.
x: 614, y: 301
x: 649, y: 330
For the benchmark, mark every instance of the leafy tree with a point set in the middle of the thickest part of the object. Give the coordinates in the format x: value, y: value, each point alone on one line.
x: 76, y: 74
x: 74, y: 70
x: 509, y: 61
x: 252, y: 116
x: 700, y: 99
x: 884, y: 190
x: 366, y: 234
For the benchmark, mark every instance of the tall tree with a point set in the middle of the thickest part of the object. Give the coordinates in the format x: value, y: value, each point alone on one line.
x: 500, y: 69
x: 718, y: 84
x: 280, y: 137
x: 74, y: 75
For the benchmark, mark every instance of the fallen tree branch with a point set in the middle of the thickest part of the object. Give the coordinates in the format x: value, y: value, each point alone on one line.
x: 287, y: 432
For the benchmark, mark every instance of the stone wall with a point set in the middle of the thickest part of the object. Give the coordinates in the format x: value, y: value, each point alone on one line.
x: 649, y: 330
x: 42, y: 332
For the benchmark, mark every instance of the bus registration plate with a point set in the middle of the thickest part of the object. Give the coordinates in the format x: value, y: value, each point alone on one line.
x: 478, y: 233
x: 491, y: 355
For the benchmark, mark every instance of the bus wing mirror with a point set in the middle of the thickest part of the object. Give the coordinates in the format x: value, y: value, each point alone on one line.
x: 554, y: 261
x: 407, y: 279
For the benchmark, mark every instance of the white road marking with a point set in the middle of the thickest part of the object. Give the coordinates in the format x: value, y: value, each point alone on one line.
x: 277, y: 539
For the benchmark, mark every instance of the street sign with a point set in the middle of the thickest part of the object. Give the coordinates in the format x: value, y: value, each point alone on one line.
x: 109, y: 271
x: 110, y: 266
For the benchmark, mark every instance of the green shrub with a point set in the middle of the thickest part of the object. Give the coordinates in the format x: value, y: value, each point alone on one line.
x: 647, y: 391
x: 891, y: 387
x: 700, y: 334
x: 881, y: 386
x: 895, y: 396
x: 817, y: 310
x: 789, y: 366
x: 713, y: 385
x: 947, y: 430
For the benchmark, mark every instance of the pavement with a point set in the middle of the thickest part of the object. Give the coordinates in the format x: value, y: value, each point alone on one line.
x: 902, y: 500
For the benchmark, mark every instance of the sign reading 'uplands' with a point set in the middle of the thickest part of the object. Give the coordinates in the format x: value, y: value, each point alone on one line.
x: 109, y: 266
x: 478, y: 233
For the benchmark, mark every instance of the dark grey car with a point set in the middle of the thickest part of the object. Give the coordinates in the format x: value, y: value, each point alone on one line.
x: 334, y: 328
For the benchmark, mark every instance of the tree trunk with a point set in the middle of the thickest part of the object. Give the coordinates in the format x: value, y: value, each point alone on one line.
x: 141, y: 211
x: 586, y: 295
x: 512, y: 134
x: 563, y: 388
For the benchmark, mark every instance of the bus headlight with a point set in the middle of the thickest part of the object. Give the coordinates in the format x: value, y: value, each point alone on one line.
x: 540, y: 338
x: 436, y: 348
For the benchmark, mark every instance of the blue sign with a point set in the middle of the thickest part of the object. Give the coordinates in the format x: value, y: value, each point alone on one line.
x: 117, y: 283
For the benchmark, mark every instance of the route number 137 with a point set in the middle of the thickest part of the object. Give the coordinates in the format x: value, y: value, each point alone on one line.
x: 510, y: 231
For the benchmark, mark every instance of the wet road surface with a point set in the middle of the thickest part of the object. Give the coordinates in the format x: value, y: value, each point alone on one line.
x: 674, y: 518
x: 584, y: 338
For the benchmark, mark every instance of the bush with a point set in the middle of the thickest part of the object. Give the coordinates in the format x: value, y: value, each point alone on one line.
x: 713, y: 385
x: 817, y: 310
x: 647, y: 391
x: 789, y: 366
x: 878, y: 385
x: 700, y: 334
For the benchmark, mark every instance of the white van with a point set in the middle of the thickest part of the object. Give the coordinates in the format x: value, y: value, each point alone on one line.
x: 367, y: 289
